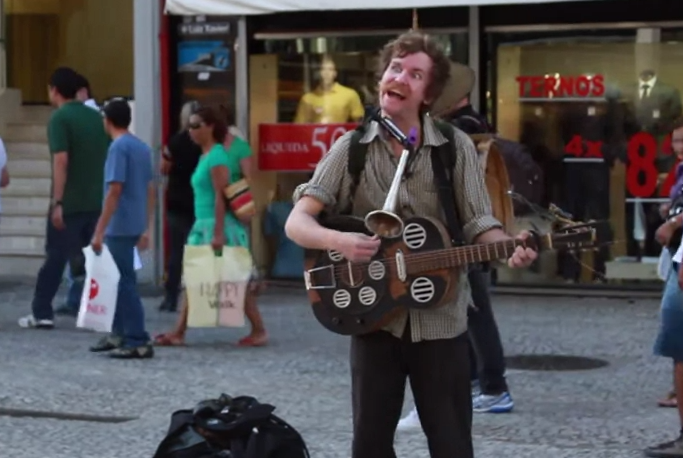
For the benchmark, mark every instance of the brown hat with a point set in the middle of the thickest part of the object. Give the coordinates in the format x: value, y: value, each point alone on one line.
x: 460, y: 83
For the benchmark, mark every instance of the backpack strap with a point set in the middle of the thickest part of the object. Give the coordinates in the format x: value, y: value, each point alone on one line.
x: 443, y: 162
x: 356, y: 162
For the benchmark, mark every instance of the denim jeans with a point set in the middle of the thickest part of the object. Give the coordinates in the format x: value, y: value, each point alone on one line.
x: 73, y: 296
x: 489, y: 361
x: 129, y: 319
x: 62, y: 247
x: 669, y: 341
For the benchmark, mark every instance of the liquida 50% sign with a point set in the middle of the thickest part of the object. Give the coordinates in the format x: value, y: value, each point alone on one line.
x: 288, y: 147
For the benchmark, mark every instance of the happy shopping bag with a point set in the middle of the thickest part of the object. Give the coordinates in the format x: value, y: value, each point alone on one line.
x: 100, y: 291
x: 216, y: 285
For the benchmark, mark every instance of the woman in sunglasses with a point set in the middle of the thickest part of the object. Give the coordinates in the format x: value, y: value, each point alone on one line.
x: 214, y: 224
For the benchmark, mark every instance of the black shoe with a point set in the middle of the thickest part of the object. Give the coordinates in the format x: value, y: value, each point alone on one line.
x: 141, y: 352
x: 672, y: 449
x: 167, y: 306
x: 106, y: 343
x: 66, y: 310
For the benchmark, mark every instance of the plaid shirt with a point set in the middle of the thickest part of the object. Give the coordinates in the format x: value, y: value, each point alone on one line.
x: 417, y: 196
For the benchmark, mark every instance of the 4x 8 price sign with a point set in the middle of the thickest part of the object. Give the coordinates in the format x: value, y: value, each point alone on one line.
x: 642, y: 176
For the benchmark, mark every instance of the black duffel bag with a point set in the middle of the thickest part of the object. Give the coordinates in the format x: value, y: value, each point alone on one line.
x: 228, y: 427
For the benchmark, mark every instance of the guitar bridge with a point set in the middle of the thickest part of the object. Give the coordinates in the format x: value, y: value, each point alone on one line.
x: 310, y: 273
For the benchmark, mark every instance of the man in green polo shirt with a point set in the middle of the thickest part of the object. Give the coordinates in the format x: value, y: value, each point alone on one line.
x: 78, y: 145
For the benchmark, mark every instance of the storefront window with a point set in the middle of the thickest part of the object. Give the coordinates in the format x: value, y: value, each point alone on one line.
x: 595, y: 111
x: 304, y: 94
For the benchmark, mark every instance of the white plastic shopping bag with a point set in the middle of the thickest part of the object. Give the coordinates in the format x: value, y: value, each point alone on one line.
x: 137, y: 261
x: 100, y: 290
x: 216, y: 285
x: 664, y: 265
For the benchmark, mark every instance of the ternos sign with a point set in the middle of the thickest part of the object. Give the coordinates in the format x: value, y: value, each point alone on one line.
x: 549, y: 86
x: 289, y: 147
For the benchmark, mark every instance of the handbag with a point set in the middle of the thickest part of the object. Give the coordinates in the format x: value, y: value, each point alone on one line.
x: 238, y: 195
x: 240, y: 200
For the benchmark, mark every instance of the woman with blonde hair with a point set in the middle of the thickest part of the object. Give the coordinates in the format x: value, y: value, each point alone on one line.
x: 215, y: 224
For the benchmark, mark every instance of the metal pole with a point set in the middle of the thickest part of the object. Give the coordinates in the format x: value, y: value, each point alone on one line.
x: 473, y: 54
x: 147, y: 96
x: 242, y: 78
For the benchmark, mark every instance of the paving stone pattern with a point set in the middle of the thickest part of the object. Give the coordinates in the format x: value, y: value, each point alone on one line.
x: 604, y: 413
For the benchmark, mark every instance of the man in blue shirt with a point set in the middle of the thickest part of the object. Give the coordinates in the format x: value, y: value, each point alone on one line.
x: 123, y: 225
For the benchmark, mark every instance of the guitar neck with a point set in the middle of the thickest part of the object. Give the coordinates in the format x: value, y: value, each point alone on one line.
x: 460, y: 256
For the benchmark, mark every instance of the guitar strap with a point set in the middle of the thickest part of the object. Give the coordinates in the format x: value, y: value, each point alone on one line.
x: 443, y: 161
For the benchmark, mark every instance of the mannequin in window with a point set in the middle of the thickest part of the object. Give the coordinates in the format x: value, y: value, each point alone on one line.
x: 329, y: 102
x: 656, y: 104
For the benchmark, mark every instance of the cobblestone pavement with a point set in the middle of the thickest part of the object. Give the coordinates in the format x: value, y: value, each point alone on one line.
x: 602, y: 413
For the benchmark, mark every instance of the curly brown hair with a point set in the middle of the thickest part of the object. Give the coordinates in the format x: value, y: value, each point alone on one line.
x: 413, y: 42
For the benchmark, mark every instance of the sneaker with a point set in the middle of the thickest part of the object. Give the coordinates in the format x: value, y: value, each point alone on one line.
x: 410, y: 421
x: 141, y: 352
x: 672, y: 449
x: 498, y: 403
x: 107, y: 343
x: 29, y: 322
x: 476, y: 389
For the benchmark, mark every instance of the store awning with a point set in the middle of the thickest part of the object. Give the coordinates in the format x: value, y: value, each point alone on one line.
x: 253, y: 7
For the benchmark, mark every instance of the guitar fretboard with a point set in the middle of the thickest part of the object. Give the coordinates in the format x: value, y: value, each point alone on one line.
x: 460, y: 256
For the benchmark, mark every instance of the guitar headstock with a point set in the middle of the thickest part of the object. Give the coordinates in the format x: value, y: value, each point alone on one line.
x: 578, y: 236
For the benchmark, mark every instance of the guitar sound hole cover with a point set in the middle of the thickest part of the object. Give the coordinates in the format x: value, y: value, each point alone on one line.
x: 414, y: 236
x: 367, y: 295
x: 341, y: 298
x: 422, y: 289
x: 376, y: 270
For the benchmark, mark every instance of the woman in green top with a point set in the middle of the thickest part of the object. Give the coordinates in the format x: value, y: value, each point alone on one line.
x: 214, y: 224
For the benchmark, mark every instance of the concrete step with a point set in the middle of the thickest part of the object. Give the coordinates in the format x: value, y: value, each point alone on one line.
x: 34, y: 114
x: 14, y: 245
x: 29, y: 168
x: 23, y: 225
x: 24, y: 206
x: 20, y: 266
x: 25, y: 132
x: 28, y: 150
x: 28, y: 187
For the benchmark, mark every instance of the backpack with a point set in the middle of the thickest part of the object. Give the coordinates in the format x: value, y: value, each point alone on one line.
x: 228, y: 427
x: 526, y: 176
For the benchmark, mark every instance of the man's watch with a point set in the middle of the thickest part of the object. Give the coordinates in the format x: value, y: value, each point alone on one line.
x: 56, y: 203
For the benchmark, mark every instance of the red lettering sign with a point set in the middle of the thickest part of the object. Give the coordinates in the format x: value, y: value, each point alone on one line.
x: 296, y: 147
x: 642, y: 176
x: 97, y: 309
x: 578, y: 147
x: 545, y: 86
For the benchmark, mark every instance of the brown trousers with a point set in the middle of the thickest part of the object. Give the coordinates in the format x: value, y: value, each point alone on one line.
x: 439, y: 374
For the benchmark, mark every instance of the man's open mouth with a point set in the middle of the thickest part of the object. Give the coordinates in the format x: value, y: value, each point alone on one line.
x: 396, y: 95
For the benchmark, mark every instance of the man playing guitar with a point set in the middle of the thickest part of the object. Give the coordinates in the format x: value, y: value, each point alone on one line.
x: 428, y: 346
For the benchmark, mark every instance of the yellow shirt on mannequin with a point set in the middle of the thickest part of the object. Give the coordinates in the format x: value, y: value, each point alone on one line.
x: 338, y: 105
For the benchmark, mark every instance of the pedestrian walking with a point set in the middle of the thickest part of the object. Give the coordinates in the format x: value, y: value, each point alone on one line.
x: 78, y: 145
x: 124, y: 224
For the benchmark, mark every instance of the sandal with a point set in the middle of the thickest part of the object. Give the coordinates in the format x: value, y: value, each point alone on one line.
x: 168, y: 340
x: 669, y: 401
x: 251, y: 341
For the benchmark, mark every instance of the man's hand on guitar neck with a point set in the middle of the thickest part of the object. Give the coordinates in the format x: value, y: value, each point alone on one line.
x: 522, y: 257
